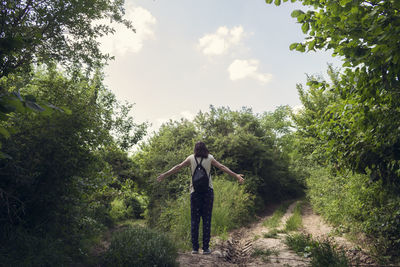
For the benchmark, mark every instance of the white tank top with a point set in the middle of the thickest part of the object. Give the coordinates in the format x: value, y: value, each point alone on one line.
x: 206, y: 163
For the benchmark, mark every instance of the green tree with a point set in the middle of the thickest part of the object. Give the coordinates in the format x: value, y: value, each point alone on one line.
x: 238, y: 139
x: 57, y: 31
x: 362, y: 125
x: 350, y: 124
x: 52, y: 190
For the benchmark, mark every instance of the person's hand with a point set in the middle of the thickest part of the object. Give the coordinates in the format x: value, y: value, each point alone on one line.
x: 160, y: 178
x: 240, y: 178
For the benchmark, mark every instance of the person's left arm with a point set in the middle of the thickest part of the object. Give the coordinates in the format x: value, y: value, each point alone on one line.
x: 174, y: 170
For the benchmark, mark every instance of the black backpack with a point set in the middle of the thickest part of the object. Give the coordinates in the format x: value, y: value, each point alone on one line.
x: 200, y: 179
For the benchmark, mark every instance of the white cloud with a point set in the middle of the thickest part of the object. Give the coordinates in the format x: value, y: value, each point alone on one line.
x: 125, y: 40
x: 221, y: 41
x: 182, y: 115
x: 241, y: 69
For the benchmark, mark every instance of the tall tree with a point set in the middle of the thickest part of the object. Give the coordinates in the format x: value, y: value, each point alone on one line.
x: 362, y: 127
x: 55, y: 30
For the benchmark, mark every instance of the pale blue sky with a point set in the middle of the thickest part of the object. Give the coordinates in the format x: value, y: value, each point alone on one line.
x: 188, y: 55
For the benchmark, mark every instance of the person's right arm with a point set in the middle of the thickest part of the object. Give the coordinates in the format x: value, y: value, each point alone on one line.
x: 223, y: 168
x: 174, y: 169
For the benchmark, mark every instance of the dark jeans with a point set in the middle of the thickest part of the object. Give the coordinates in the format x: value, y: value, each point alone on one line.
x: 201, y: 206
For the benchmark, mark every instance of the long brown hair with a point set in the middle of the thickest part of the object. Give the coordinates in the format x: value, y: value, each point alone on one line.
x: 200, y: 150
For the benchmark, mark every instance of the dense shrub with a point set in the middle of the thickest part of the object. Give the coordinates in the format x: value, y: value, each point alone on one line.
x: 295, y: 222
x: 247, y: 143
x: 232, y: 208
x: 127, y: 203
x: 357, y: 204
x: 139, y: 246
x: 275, y: 219
x: 55, y: 185
x: 129, y: 206
x: 322, y: 253
x: 23, y: 248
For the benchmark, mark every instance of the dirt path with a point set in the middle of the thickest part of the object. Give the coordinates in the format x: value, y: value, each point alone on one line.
x: 244, y: 243
x: 238, y: 249
x: 314, y: 225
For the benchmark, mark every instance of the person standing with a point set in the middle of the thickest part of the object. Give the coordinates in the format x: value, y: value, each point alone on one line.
x: 201, y: 203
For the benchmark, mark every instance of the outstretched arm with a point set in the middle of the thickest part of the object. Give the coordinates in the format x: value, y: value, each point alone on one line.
x: 174, y: 170
x: 222, y: 167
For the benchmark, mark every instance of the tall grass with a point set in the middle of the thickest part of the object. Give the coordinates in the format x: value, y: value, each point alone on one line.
x: 295, y: 222
x: 275, y: 219
x: 140, y: 246
x: 232, y: 208
x: 324, y: 253
x: 356, y: 204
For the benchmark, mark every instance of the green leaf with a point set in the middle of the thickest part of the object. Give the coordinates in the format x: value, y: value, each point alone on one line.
x: 344, y: 2
x: 305, y: 27
x: 4, y: 132
x: 17, y: 104
x: 47, y: 111
x: 268, y: 1
x: 311, y: 44
x: 4, y: 156
x: 3, y: 116
x: 301, y: 17
x: 301, y: 48
x: 293, y: 46
x: 67, y: 110
x: 277, y: 2
x: 296, y: 13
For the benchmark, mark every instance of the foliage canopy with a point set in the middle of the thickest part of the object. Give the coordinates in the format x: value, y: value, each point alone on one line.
x: 359, y: 122
x: 57, y: 30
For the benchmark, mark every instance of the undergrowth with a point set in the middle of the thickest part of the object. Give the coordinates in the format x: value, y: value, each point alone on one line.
x: 321, y: 253
x: 265, y: 253
x: 271, y: 234
x: 295, y: 222
x: 232, y: 208
x: 357, y: 205
x: 275, y: 219
x: 140, y: 246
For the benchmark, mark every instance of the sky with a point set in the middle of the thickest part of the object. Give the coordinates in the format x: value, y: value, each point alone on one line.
x: 187, y: 55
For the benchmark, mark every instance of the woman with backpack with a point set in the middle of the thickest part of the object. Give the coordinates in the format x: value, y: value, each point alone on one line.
x: 201, y: 191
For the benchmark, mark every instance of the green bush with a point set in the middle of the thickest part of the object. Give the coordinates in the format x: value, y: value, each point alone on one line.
x: 326, y: 254
x: 118, y: 209
x: 23, y: 248
x: 139, y: 246
x: 247, y: 143
x: 357, y: 204
x: 232, y: 208
x: 323, y: 253
x: 295, y: 221
x: 127, y: 203
x: 275, y: 219
x: 300, y: 243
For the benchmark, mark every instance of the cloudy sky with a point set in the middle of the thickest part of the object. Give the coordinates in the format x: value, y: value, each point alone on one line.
x: 187, y: 55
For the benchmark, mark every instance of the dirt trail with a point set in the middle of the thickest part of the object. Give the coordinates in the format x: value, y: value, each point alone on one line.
x: 238, y: 249
x: 313, y: 224
x: 243, y: 242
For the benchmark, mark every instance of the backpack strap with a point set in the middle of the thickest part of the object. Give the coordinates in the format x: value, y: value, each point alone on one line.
x: 197, y: 163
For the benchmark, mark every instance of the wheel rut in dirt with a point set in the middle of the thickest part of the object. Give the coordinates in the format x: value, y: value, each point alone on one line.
x: 237, y: 250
